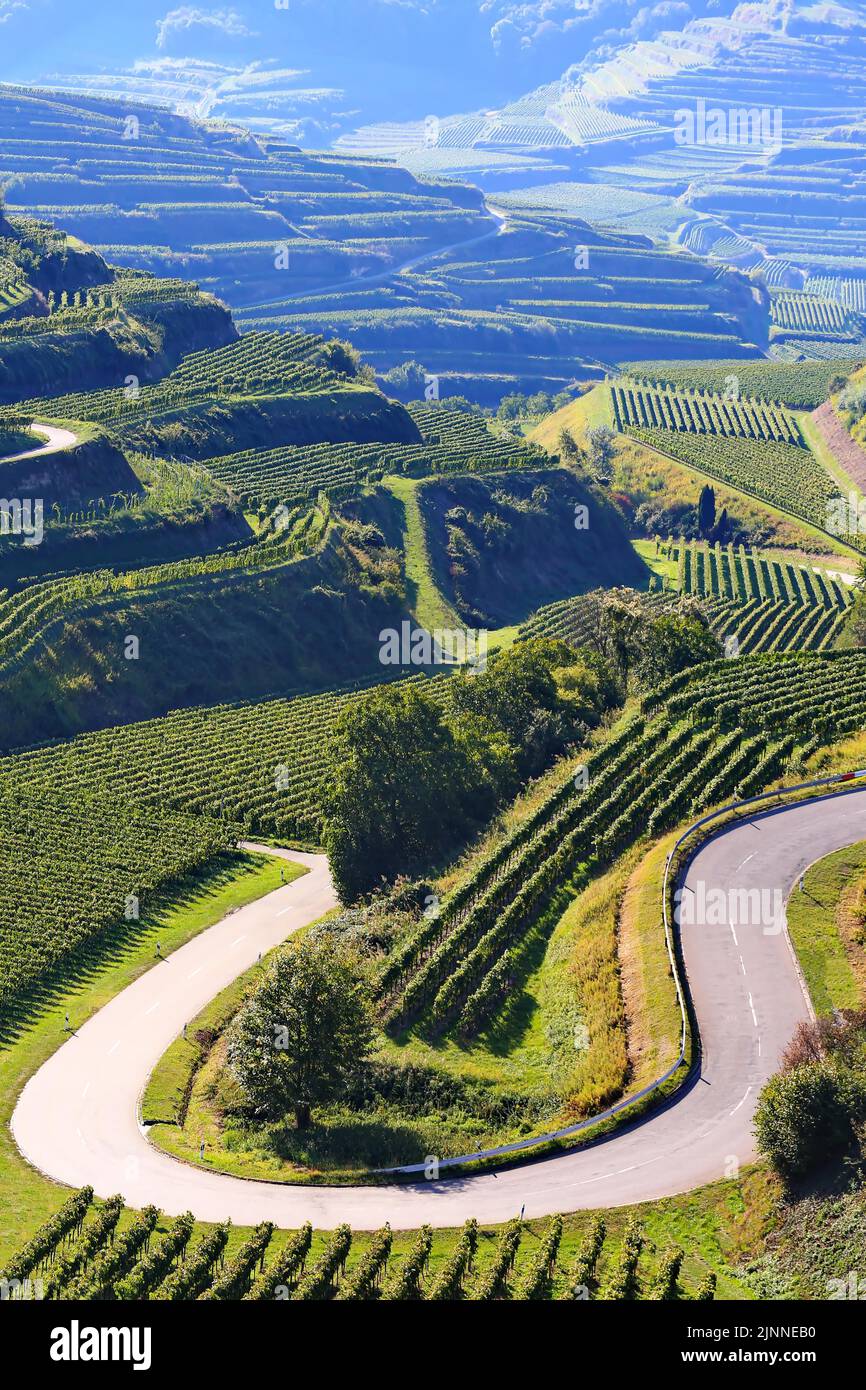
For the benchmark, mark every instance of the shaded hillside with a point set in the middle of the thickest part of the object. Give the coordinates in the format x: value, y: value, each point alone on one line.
x: 225, y: 636
x: 502, y: 546
x: 70, y: 321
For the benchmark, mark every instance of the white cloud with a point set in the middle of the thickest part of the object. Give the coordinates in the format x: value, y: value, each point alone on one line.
x: 188, y: 17
x: 8, y: 8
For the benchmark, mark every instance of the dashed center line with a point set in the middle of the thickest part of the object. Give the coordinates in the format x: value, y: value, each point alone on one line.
x: 742, y: 1102
x: 195, y: 972
x: 114, y: 1047
x: 152, y: 1008
x: 239, y: 940
x: 754, y: 1015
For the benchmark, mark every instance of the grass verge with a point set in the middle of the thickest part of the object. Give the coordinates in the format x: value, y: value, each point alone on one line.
x: 826, y: 931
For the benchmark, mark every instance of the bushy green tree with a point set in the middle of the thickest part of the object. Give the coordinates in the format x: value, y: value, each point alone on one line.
x: 406, y: 782
x: 392, y: 795
x: 518, y: 695
x: 303, y: 1032
x: 673, y: 643
x: 601, y: 446
x: 803, y: 1116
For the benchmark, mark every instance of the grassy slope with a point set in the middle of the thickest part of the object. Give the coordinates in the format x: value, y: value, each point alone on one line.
x: 646, y: 474
x: 305, y: 625
x: 826, y: 934
x: 824, y: 454
x: 503, y: 545
x: 429, y: 608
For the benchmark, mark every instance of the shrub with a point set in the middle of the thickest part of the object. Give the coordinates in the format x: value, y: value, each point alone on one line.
x: 803, y: 1115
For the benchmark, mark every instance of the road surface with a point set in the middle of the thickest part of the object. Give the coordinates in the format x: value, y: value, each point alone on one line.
x: 77, y: 1117
x: 57, y: 440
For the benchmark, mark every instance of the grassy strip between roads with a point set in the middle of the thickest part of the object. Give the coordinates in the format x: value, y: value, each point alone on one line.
x: 26, y: 1197
x: 596, y: 1019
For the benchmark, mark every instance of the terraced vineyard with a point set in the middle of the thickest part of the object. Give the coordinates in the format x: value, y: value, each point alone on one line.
x: 257, y: 364
x: 804, y: 384
x: 806, y: 313
x: 674, y: 759
x: 258, y: 763
x: 754, y: 603
x: 451, y: 442
x: 28, y: 612
x: 845, y: 291
x: 783, y: 475
x: 637, y: 405
x: 761, y: 603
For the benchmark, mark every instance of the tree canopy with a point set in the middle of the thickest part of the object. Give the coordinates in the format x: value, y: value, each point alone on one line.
x: 303, y: 1032
x: 408, y: 778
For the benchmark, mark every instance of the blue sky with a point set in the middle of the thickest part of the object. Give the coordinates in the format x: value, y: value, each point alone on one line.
x: 393, y: 58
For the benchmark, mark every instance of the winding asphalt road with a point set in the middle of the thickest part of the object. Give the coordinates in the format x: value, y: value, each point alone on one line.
x: 76, y: 1119
x: 57, y: 440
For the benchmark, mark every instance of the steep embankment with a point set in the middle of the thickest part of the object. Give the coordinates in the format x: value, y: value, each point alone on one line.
x: 206, y: 431
x: 224, y: 636
x: 502, y: 546
x: 70, y: 477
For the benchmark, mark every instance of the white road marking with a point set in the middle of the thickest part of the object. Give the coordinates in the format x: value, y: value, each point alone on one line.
x: 742, y: 963
x: 195, y: 972
x: 84, y: 1092
x: 114, y: 1047
x: 239, y: 940
x: 754, y: 1015
x: 742, y: 1102
x: 733, y: 933
x: 745, y: 862
x: 151, y: 1009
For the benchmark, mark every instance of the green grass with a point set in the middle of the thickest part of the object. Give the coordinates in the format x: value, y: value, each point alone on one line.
x: 17, y: 441
x: 427, y: 605
x: 819, y: 921
x: 26, y: 1197
x: 587, y: 412
x: 659, y: 564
